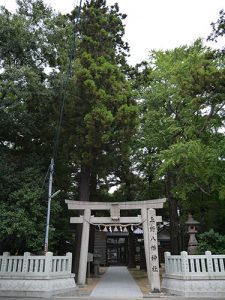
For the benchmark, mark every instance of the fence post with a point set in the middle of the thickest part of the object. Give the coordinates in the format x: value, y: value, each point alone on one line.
x: 184, y: 263
x: 209, y: 262
x: 4, y: 261
x: 69, y: 256
x: 25, y: 262
x: 48, y: 263
x: 167, y: 268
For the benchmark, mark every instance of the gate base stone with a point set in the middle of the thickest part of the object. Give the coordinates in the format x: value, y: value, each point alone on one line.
x: 45, y: 286
x: 194, y: 287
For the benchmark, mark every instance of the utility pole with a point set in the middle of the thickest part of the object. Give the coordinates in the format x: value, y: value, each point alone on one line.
x: 49, y: 204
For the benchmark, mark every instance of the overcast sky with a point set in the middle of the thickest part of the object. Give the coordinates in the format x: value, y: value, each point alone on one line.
x: 156, y: 24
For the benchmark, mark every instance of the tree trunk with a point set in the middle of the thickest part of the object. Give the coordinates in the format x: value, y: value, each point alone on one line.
x: 93, y: 187
x: 84, y: 192
x: 174, y: 220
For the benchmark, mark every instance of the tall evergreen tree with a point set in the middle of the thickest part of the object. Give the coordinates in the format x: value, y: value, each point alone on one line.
x: 100, y: 112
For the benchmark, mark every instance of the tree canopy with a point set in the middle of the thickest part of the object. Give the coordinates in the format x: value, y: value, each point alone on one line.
x: 66, y: 90
x: 182, y: 103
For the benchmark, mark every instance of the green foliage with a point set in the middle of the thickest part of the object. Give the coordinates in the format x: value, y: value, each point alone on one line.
x: 181, y: 94
x: 218, y: 28
x: 31, y: 39
x: 22, y: 204
x: 179, y: 149
x: 198, y: 167
x: 211, y: 241
x: 99, y: 113
x: 183, y: 113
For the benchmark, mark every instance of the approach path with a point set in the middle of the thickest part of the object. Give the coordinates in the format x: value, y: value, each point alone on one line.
x: 117, y: 282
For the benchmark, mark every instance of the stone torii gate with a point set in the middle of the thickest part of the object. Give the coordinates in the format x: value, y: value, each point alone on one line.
x: 148, y: 219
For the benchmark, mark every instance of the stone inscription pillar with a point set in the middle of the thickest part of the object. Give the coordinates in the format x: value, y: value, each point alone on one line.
x: 153, y: 251
x: 84, y: 248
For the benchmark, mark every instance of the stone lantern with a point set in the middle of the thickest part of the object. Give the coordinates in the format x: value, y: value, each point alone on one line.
x: 193, y: 243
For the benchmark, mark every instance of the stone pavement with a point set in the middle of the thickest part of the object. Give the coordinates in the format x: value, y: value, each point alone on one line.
x: 117, y: 283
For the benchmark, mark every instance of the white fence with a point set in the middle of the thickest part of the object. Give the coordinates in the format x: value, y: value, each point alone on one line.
x: 31, y: 265
x: 201, y: 276
x: 195, y: 265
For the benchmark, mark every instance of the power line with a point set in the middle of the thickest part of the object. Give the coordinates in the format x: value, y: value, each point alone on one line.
x: 72, y: 56
x: 46, y: 175
x: 59, y: 124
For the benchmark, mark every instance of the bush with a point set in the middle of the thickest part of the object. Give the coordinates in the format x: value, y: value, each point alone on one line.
x: 211, y: 241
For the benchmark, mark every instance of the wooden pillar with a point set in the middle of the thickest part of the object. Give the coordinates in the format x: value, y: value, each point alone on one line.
x: 84, y: 247
x: 153, y: 251
x: 144, y: 216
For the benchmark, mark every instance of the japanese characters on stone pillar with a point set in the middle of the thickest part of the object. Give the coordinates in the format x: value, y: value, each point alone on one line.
x: 153, y: 248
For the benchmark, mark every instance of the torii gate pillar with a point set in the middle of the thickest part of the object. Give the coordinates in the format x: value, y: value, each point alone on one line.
x: 84, y: 248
